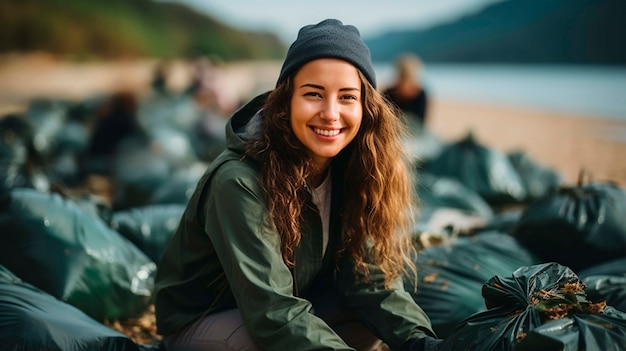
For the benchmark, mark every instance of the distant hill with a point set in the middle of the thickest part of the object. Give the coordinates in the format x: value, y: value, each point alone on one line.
x: 122, y: 28
x: 520, y: 31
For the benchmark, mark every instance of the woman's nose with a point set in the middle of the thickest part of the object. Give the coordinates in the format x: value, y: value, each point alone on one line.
x: 330, y: 110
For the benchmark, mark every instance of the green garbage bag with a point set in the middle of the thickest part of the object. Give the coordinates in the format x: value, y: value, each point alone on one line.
x: 451, y: 276
x: 607, y: 281
x: 486, y: 171
x: 21, y: 166
x: 581, y: 332
x: 539, y: 307
x: 538, y: 180
x: 578, y: 227
x: 178, y: 188
x: 56, y: 245
x: 138, y: 172
x: 615, y: 267
x: 445, y: 192
x: 31, y: 319
x: 150, y: 227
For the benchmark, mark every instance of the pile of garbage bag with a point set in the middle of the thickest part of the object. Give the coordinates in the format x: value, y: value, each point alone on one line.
x: 82, y: 233
x: 451, y: 275
x: 508, y: 245
x: 73, y: 255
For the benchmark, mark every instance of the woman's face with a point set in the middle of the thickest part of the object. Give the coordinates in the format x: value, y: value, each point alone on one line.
x: 326, y: 107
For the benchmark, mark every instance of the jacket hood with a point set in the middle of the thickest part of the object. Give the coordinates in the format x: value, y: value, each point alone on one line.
x: 245, y: 123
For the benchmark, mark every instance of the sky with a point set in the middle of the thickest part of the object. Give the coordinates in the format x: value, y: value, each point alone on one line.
x: 372, y: 17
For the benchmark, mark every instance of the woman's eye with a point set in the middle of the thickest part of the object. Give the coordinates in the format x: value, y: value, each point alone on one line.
x: 349, y: 97
x: 312, y: 93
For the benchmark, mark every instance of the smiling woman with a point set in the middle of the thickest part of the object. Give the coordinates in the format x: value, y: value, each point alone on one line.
x: 326, y: 110
x: 298, y: 235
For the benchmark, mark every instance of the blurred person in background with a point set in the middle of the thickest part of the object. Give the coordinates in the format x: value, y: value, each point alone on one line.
x: 298, y: 235
x: 159, y: 81
x: 213, y: 102
x: 209, y: 86
x: 407, y: 91
x: 116, y: 129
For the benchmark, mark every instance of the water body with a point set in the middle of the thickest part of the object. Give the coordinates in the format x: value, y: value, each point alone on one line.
x: 596, y: 91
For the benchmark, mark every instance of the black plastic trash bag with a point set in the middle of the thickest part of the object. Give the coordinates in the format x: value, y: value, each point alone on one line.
x: 15, y: 140
x: 607, y: 281
x: 448, y: 206
x: 207, y: 136
x: 21, y: 166
x: 92, y: 204
x: 539, y: 307
x: 615, y: 267
x: 538, y: 180
x: 578, y: 227
x: 451, y: 276
x: 31, y: 319
x: 503, y: 221
x: 56, y: 245
x: 47, y: 117
x: 139, y: 171
x: 484, y: 170
x: 174, y: 146
x: 72, y: 141
x: 582, y: 332
x: 437, y: 192
x: 611, y: 289
x: 421, y: 144
x: 150, y: 228
x: 179, y: 187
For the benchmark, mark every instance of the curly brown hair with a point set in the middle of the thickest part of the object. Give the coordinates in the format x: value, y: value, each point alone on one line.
x: 379, y: 209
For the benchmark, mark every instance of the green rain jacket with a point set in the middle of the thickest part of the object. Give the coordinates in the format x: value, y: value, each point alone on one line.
x: 225, y: 255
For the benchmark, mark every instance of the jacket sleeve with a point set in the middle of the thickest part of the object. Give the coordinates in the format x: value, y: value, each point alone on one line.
x: 249, y: 250
x: 392, y: 314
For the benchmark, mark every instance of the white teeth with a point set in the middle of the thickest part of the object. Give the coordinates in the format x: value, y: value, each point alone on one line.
x: 325, y: 132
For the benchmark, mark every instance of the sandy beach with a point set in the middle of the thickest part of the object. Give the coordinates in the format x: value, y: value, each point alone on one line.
x: 565, y: 143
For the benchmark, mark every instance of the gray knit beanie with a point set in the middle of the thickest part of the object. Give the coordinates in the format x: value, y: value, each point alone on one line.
x: 329, y: 38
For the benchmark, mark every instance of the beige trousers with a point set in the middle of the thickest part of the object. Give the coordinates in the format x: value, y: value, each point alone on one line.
x: 225, y: 331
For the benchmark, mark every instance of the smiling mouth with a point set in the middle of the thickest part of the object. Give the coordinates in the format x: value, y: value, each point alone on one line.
x: 326, y: 132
